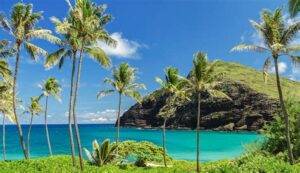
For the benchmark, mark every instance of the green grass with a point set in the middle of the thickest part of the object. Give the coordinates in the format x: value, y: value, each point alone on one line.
x: 62, y: 164
x: 254, y: 79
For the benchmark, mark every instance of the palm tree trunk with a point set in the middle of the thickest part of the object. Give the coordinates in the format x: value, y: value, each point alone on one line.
x: 197, y: 132
x: 46, y: 128
x: 164, y: 141
x: 21, y: 139
x: 284, y: 111
x: 28, y: 135
x: 118, y: 121
x: 74, y: 110
x: 3, y: 138
x: 71, y: 109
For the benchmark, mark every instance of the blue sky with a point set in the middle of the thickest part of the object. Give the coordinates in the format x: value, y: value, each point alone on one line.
x: 151, y: 35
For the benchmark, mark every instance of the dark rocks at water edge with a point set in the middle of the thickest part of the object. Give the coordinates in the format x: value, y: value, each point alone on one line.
x: 248, y: 110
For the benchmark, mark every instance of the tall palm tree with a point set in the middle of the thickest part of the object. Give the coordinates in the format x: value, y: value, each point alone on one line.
x: 34, y: 109
x: 294, y: 7
x: 173, y: 86
x: 21, y: 27
x: 89, y: 20
x: 50, y: 87
x: 68, y: 49
x: 203, y: 78
x: 122, y: 82
x: 83, y: 28
x: 278, y: 39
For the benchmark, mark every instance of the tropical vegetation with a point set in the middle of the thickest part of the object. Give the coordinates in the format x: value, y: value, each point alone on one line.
x: 34, y: 109
x: 50, y: 87
x: 123, y: 82
x: 278, y: 39
x: 79, y: 35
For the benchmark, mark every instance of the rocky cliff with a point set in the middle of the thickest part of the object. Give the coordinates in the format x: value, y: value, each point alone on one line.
x: 253, y: 103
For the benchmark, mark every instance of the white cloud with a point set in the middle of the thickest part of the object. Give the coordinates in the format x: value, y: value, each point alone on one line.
x: 125, y: 48
x: 107, y: 116
x: 282, y: 67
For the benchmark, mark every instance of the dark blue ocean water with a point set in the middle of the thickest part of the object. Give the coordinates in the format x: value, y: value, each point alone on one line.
x: 180, y: 143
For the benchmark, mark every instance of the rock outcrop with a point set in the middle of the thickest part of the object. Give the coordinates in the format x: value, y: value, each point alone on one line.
x: 248, y: 110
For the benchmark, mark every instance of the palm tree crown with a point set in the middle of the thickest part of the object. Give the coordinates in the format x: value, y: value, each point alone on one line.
x: 277, y: 35
x: 203, y: 76
x: 51, y: 87
x: 35, y: 108
x: 22, y: 27
x: 123, y: 82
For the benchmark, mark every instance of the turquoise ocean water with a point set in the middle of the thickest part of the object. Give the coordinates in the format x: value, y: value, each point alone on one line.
x: 180, y: 143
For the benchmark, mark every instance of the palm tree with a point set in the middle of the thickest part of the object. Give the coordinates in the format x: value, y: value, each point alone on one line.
x: 83, y: 28
x: 173, y: 86
x: 203, y: 78
x: 21, y: 27
x: 294, y: 7
x: 5, y: 92
x: 50, y: 87
x: 278, y: 41
x: 122, y: 82
x: 6, y: 110
x: 68, y: 49
x: 33, y: 109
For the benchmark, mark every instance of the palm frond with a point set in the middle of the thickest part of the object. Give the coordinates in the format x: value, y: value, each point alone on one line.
x: 293, y: 48
x: 34, y: 51
x: 246, y: 47
x: 290, y: 33
x: 295, y: 60
x: 55, y: 57
x: 104, y: 93
x: 134, y: 95
x: 4, y: 23
x: 45, y: 35
x: 99, y: 55
x: 294, y: 7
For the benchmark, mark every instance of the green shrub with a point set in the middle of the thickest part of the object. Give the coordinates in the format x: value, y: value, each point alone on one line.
x: 141, y: 150
x: 275, y: 142
x: 102, y: 154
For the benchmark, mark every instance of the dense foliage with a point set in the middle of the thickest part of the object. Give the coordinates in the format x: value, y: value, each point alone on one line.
x: 275, y: 142
x: 247, y: 164
x: 141, y: 150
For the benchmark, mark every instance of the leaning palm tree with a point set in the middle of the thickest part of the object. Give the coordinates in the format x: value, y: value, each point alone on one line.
x: 122, y: 82
x: 278, y: 39
x: 50, y: 87
x: 21, y: 27
x: 294, y: 7
x: 84, y: 27
x: 173, y: 86
x: 203, y: 78
x: 34, y: 109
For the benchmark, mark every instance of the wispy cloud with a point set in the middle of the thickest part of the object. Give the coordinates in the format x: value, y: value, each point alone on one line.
x: 125, y: 48
x: 102, y: 117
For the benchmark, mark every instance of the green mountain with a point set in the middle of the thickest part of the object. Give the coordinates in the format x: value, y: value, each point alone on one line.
x: 254, y: 79
x: 253, y: 103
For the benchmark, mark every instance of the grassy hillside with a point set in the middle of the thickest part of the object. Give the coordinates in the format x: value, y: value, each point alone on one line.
x: 254, y: 79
